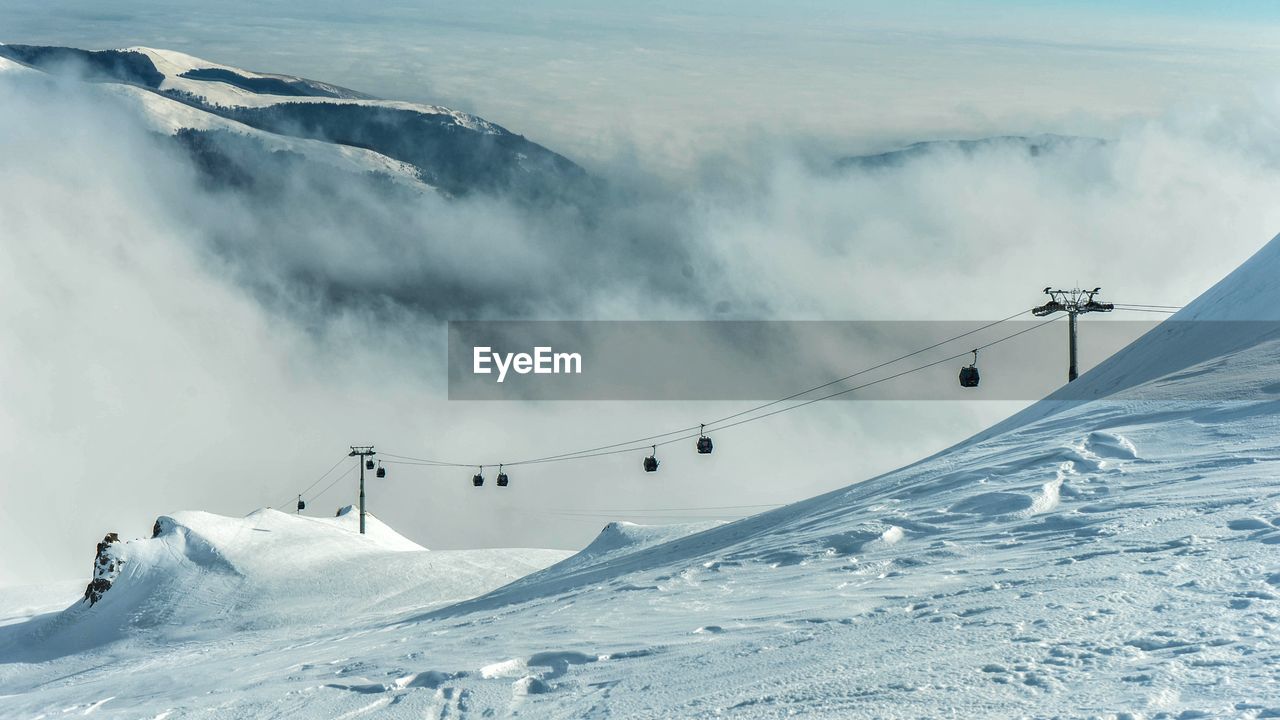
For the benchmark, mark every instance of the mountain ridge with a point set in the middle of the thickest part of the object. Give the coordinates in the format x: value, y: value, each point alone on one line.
x: 456, y: 152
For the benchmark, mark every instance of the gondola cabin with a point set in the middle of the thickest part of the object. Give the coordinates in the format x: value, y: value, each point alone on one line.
x: 969, y: 373
x: 651, y: 462
x: 704, y: 443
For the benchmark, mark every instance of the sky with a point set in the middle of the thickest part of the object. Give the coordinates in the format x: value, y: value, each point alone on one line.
x: 672, y: 82
x: 145, y: 372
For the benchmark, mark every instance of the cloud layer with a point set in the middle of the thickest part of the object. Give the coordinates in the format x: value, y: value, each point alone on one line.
x: 175, y: 344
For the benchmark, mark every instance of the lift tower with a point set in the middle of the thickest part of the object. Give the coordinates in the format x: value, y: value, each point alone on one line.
x: 364, y: 452
x: 1074, y: 303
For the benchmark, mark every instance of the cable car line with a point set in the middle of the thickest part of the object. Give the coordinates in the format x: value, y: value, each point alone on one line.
x: 872, y: 368
x: 846, y: 390
x: 824, y: 397
x: 335, y: 482
x: 696, y: 431
x: 887, y: 378
x: 319, y: 479
x: 1146, y: 310
x: 592, y: 452
x: 1162, y: 307
x: 704, y: 445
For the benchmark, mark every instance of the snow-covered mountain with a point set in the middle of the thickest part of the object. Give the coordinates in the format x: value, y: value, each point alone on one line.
x: 1106, y: 553
x: 453, y: 151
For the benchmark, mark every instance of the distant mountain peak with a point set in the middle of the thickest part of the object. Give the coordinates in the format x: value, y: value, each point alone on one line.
x: 1032, y: 145
x: 453, y: 151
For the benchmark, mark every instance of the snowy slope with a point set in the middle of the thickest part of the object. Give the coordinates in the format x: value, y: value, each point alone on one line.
x: 9, y: 66
x: 24, y: 602
x: 203, y: 574
x: 168, y: 116
x: 1109, y: 558
x: 174, y: 65
x: 447, y: 149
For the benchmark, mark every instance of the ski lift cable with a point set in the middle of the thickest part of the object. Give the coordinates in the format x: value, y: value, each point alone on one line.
x: 887, y: 378
x: 403, y: 460
x: 792, y: 396
x: 626, y: 445
x: 810, y: 401
x: 870, y: 369
x: 336, y: 480
x: 637, y: 447
x: 722, y: 423
x: 318, y: 480
x: 1145, y: 310
x: 1163, y: 307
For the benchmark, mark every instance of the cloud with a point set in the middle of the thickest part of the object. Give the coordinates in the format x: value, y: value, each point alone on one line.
x: 680, y: 80
x: 175, y: 343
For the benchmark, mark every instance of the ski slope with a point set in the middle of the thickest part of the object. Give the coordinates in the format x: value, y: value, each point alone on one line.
x: 1109, y: 552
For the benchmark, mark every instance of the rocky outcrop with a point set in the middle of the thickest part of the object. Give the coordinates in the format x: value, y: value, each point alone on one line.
x: 106, y: 566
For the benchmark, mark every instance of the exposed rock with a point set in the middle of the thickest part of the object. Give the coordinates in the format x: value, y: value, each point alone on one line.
x: 106, y: 566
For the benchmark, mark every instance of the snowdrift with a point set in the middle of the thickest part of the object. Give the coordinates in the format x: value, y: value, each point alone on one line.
x: 204, y: 575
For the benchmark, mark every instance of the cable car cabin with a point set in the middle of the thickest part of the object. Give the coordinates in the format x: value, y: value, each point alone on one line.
x: 502, y: 480
x: 382, y: 472
x: 969, y: 376
x: 301, y: 506
x: 368, y: 464
x: 651, y: 464
x: 704, y: 442
x: 477, y: 480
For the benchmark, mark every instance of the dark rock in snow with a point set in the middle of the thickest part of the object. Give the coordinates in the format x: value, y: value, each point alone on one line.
x: 106, y: 566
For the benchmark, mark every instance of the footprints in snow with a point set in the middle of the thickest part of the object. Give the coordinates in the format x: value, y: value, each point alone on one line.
x: 1078, y: 466
x: 529, y: 676
x: 1266, y: 532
